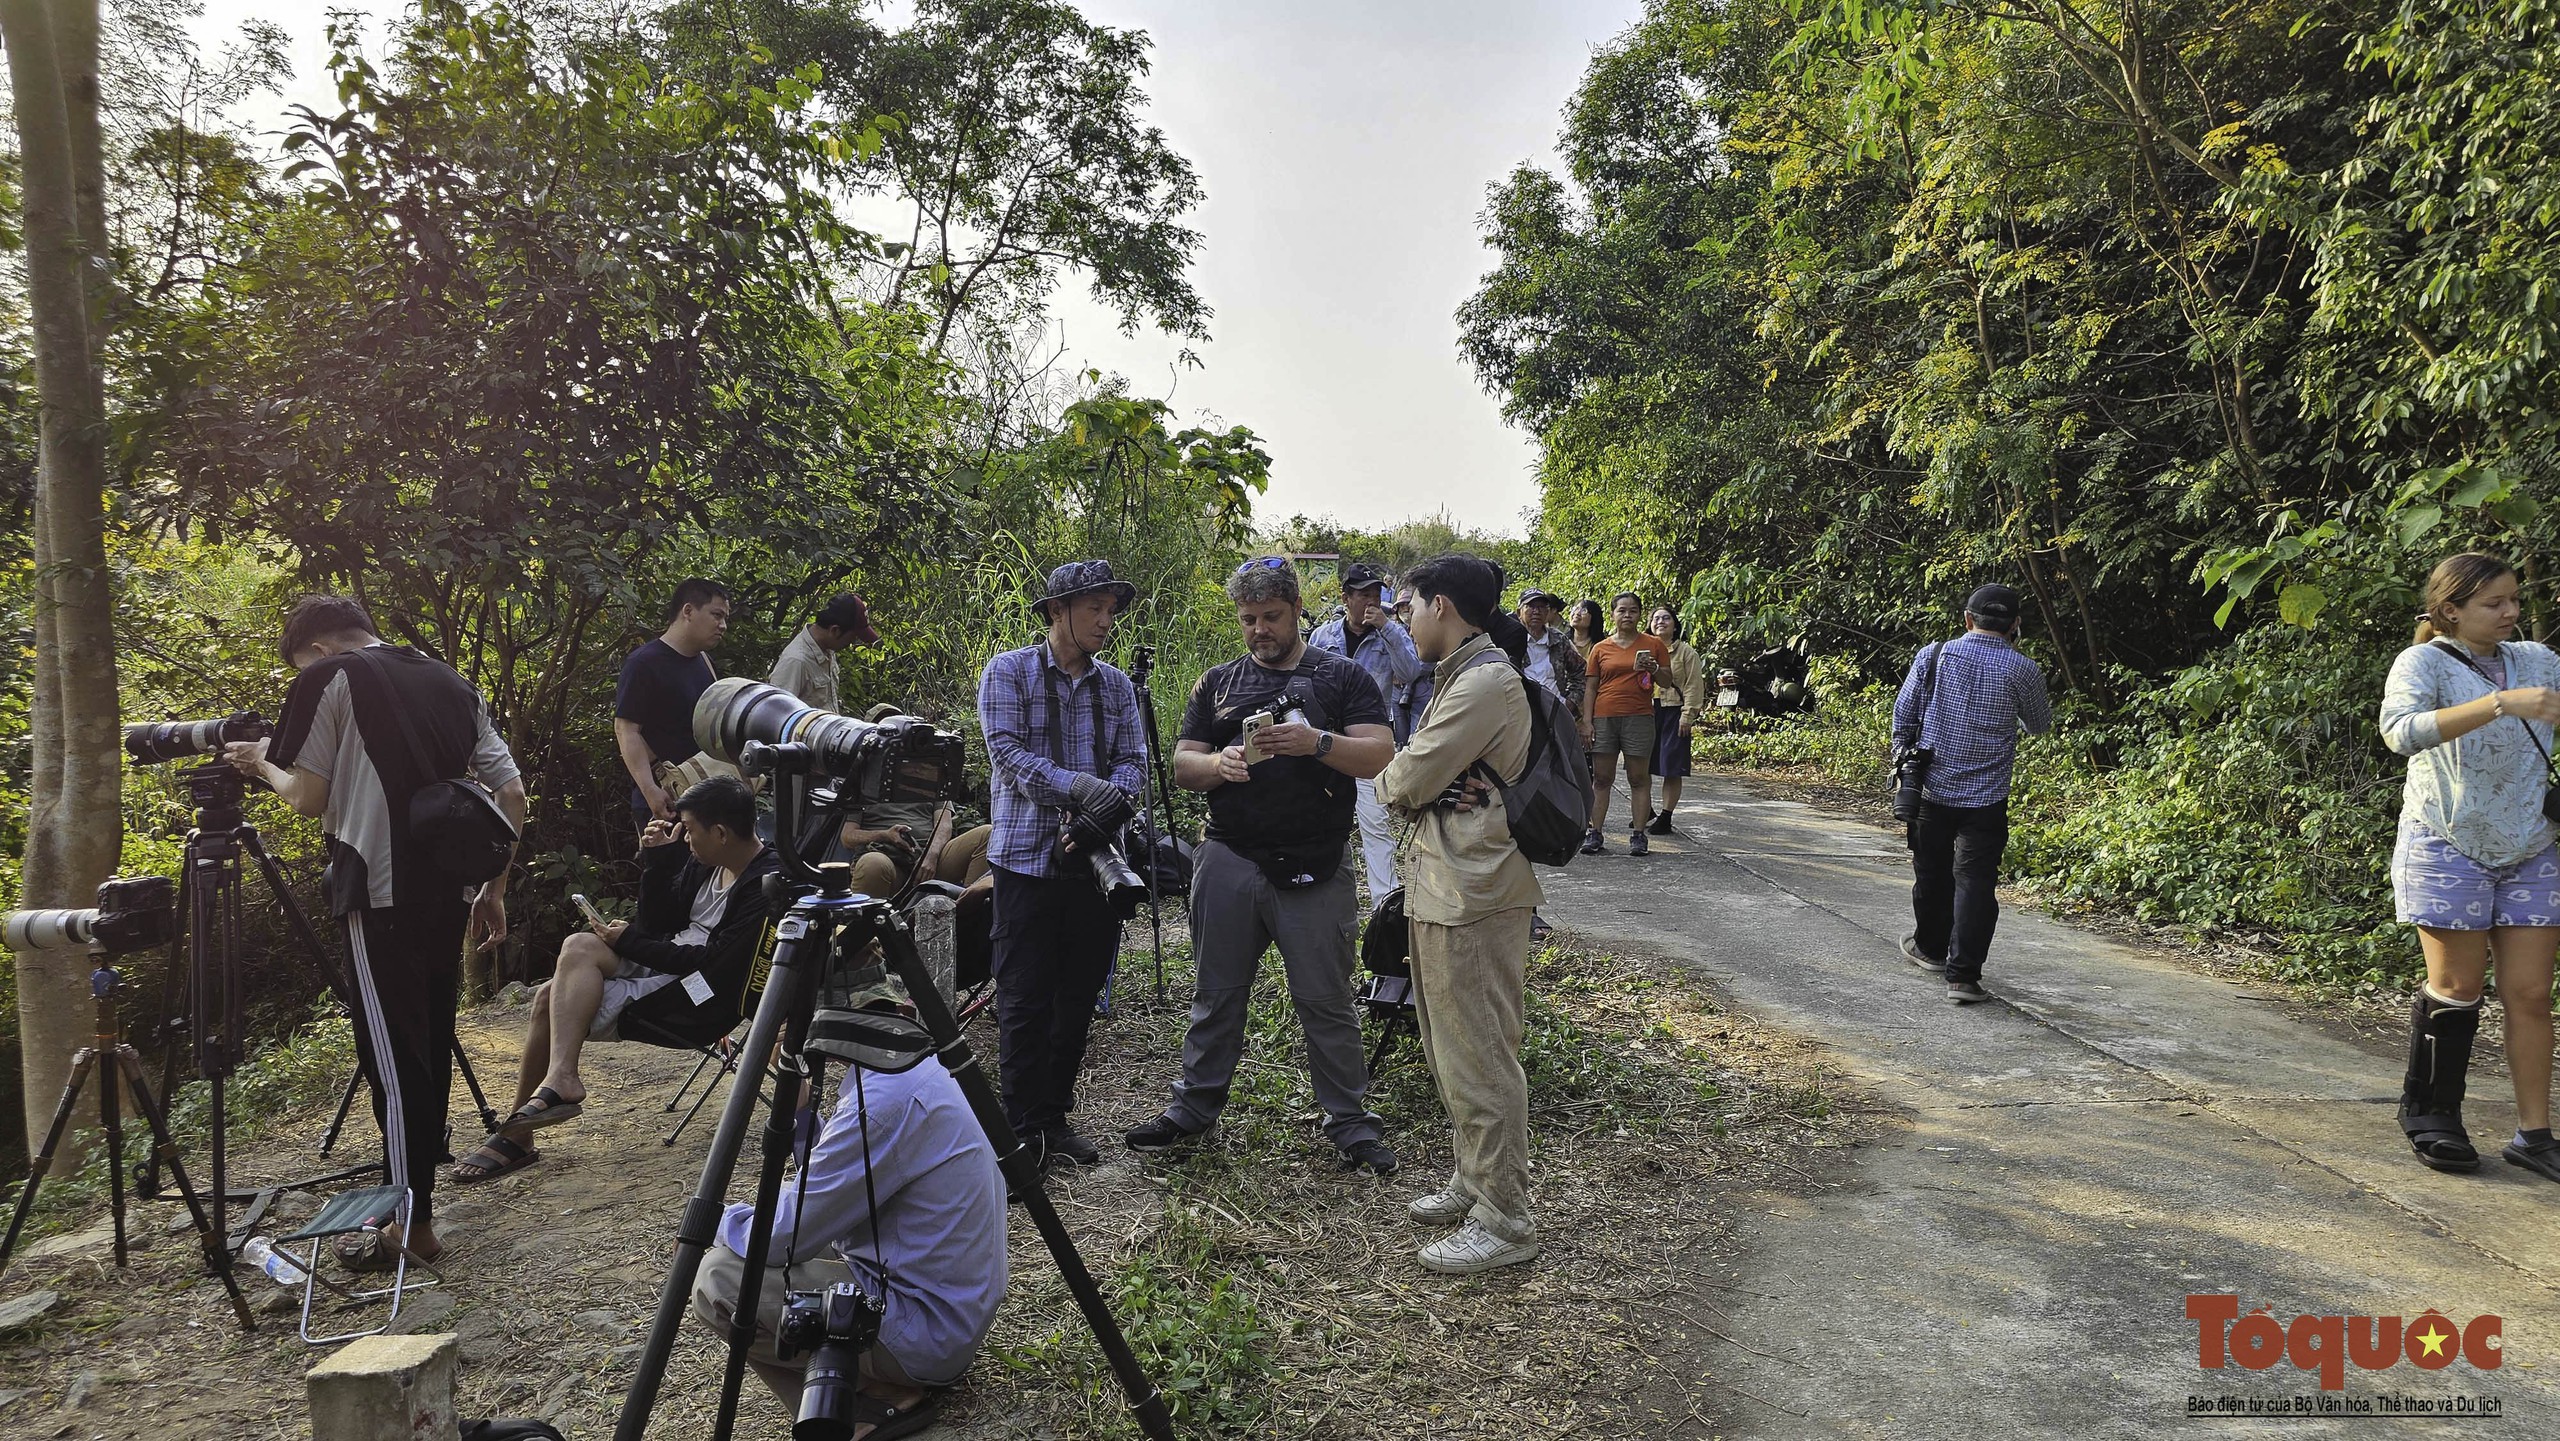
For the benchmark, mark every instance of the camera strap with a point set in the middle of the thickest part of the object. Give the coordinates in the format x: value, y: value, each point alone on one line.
x: 870, y: 1196
x: 1056, y: 739
x: 1929, y: 690
x: 2458, y: 653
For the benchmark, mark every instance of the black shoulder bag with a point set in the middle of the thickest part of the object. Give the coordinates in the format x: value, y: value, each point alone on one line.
x: 2550, y: 797
x: 453, y: 820
x: 1911, y: 762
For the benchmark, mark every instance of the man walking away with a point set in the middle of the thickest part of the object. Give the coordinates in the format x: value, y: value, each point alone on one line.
x: 1275, y: 868
x: 807, y: 666
x: 1370, y: 638
x: 342, y: 752
x: 1468, y: 908
x: 1065, y: 775
x: 653, y: 702
x: 1965, y: 700
x: 1617, y: 713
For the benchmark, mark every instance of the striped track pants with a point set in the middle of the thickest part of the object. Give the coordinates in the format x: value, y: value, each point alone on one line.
x: 407, y: 968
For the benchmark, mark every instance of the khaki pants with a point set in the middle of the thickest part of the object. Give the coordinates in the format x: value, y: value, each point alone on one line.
x: 964, y: 863
x: 1468, y: 993
x: 715, y: 1306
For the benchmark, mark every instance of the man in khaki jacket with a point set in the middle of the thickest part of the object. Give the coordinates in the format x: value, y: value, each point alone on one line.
x: 1468, y: 895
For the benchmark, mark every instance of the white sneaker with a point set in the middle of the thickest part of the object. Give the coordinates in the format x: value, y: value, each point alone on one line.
x: 1440, y: 1208
x: 1472, y: 1248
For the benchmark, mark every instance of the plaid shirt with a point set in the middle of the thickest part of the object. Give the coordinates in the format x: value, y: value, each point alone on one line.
x: 1028, y: 771
x: 1986, y: 692
x: 1386, y: 653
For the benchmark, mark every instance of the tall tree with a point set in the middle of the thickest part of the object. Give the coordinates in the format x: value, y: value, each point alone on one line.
x: 75, y: 828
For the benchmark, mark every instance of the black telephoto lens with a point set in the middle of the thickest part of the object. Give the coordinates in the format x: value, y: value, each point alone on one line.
x: 1120, y: 885
x: 827, y: 1392
x: 153, y: 742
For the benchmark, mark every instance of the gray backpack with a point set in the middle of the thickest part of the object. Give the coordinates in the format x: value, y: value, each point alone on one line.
x: 1549, y: 806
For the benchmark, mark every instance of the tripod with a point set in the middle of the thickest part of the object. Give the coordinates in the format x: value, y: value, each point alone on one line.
x: 209, y: 897
x: 123, y: 1069
x: 1142, y: 666
x: 836, y: 926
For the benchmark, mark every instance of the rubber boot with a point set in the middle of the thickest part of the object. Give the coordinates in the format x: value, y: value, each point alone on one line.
x: 2440, y: 1037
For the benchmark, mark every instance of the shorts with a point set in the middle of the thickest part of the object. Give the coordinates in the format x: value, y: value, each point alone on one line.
x: 620, y: 990
x: 2438, y: 886
x: 1627, y: 735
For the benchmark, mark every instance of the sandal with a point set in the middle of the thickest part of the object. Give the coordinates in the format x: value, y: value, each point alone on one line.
x: 553, y: 1109
x: 889, y: 1422
x: 2441, y: 1143
x: 369, y: 1252
x: 495, y: 1157
x: 2541, y: 1157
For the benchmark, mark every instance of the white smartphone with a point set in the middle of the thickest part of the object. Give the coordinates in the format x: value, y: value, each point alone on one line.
x: 594, y: 916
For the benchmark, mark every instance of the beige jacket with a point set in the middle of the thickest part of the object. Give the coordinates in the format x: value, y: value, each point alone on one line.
x: 1463, y: 868
x: 1683, y: 686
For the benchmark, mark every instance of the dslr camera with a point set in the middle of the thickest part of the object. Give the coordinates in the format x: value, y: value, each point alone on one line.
x: 903, y: 758
x: 835, y: 1326
x: 153, y: 742
x: 134, y: 913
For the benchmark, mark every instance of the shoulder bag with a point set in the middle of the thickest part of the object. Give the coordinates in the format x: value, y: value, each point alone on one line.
x: 454, y: 820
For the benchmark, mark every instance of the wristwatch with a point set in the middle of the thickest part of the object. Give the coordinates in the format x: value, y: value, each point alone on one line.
x: 1324, y: 744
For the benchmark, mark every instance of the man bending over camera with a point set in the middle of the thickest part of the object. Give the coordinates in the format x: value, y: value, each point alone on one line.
x: 1065, y: 774
x: 677, y: 977
x: 931, y: 1257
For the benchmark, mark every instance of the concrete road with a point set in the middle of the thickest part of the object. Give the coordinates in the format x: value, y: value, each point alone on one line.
x: 2112, y: 1134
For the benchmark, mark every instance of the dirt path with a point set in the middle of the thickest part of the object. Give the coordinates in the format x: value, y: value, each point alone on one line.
x: 2115, y: 1133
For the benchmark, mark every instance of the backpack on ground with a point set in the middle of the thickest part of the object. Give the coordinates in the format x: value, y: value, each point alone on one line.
x: 1549, y: 806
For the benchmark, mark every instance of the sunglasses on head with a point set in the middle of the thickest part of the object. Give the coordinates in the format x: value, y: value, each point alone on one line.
x: 1266, y: 562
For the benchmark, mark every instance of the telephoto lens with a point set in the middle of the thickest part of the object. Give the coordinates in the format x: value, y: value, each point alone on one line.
x: 152, y: 742
x: 133, y: 914
x: 902, y: 758
x: 1119, y: 883
x: 835, y: 1326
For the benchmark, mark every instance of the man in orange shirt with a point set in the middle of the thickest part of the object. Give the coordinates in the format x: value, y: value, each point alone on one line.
x: 1617, y: 710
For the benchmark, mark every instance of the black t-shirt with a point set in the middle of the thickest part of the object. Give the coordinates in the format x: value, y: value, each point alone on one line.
x: 1292, y: 801
x: 657, y: 692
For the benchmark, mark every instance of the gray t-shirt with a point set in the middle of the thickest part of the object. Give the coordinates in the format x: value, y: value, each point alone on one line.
x: 358, y: 818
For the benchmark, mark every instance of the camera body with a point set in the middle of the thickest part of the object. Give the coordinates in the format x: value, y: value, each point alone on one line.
x: 1910, y: 776
x: 153, y: 742
x: 134, y: 913
x: 835, y: 1326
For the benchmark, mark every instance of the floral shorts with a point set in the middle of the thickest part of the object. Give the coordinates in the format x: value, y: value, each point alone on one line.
x: 2436, y: 885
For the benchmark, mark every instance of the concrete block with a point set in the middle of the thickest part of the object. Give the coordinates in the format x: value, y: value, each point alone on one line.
x: 386, y: 1388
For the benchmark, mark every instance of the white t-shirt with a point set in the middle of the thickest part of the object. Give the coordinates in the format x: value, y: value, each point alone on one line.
x: 709, y: 900
x: 1541, y: 664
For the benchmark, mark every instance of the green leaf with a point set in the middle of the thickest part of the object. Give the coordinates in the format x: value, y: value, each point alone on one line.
x: 2300, y: 604
x: 2416, y: 521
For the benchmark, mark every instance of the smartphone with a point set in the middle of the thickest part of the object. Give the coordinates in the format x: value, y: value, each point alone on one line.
x: 1253, y: 724
x: 594, y: 916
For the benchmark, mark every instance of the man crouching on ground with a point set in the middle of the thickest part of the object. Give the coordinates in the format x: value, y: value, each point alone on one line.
x: 931, y: 1256
x: 1468, y: 895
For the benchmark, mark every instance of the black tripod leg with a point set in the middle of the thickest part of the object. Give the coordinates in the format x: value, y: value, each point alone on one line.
x: 346, y: 1104
x: 780, y: 1121
x: 217, y: 1251
x: 798, y: 957
x: 1024, y: 1174
x: 479, y: 1098
x: 81, y: 1062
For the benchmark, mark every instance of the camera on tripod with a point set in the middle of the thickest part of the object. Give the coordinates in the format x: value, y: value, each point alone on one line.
x: 134, y: 913
x: 835, y: 1326
x: 902, y: 758
x: 153, y: 742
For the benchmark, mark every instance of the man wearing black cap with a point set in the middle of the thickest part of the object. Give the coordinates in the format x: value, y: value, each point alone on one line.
x: 1965, y: 702
x: 807, y: 666
x: 1371, y: 639
x: 1065, y: 773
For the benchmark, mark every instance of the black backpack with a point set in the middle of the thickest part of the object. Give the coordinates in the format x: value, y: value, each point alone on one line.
x: 1549, y: 806
x: 455, y: 822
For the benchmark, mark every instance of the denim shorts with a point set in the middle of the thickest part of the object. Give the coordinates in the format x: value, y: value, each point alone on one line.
x: 2436, y: 885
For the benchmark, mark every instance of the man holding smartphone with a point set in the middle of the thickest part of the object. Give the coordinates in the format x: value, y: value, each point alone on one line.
x: 1277, y: 739
x: 677, y: 976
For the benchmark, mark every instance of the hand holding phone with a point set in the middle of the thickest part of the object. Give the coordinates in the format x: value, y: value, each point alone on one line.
x: 1254, y: 754
x: 594, y: 917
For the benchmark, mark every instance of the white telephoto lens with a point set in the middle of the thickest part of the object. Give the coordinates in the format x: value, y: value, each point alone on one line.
x: 49, y: 930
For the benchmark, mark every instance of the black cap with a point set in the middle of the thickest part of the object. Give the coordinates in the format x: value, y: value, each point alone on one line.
x: 1360, y: 576
x: 1993, y: 602
x: 1535, y: 596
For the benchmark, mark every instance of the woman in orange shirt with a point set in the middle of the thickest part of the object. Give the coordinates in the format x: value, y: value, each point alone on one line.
x: 1617, y: 707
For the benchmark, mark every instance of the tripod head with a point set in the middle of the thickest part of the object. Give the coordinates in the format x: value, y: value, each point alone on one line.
x: 216, y: 791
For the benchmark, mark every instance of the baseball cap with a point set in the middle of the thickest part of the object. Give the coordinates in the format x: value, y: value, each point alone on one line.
x: 1993, y: 602
x: 1535, y: 596
x: 1361, y: 576
x: 847, y: 612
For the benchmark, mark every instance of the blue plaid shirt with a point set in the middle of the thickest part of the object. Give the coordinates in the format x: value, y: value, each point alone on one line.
x: 1386, y: 653
x: 1028, y: 772
x: 1987, y: 692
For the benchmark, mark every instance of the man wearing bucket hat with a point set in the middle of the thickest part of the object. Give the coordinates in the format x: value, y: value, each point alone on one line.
x: 1962, y: 707
x: 1065, y: 774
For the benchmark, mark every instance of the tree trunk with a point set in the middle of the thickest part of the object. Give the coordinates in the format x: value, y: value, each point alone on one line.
x: 75, y: 822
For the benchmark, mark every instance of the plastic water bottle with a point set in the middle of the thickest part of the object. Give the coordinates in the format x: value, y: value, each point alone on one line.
x: 283, y: 1269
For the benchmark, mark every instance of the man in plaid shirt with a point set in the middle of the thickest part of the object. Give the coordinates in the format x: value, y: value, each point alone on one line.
x: 1966, y: 700
x: 1066, y: 771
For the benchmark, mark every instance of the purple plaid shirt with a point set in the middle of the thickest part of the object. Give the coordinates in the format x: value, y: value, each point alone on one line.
x: 1028, y: 771
x: 1987, y: 691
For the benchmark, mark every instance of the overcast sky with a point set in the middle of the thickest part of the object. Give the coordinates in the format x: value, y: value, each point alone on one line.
x: 1345, y: 148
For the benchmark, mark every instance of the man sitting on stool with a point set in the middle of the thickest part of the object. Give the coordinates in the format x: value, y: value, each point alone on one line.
x: 884, y: 841
x: 677, y: 977
x: 931, y: 1255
